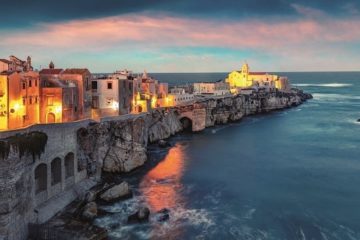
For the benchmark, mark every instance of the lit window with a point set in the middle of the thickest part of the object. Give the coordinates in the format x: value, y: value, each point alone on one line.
x: 50, y: 100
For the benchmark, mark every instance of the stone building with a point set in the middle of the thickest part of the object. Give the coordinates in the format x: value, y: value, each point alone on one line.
x: 178, y: 96
x: 82, y: 78
x: 59, y: 101
x: 64, y: 83
x: 219, y: 88
x: 19, y: 99
x: 15, y: 64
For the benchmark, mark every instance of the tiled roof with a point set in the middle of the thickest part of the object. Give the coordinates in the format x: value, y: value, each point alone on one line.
x: 5, y: 61
x: 76, y: 71
x: 257, y: 73
x: 50, y: 71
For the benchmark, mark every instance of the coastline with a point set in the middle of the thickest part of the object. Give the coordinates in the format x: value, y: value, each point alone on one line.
x: 120, y: 146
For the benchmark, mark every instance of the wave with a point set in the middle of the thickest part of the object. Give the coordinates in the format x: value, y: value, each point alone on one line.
x: 334, y: 96
x: 333, y: 85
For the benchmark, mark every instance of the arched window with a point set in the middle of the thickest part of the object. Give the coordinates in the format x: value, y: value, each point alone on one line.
x: 40, y: 178
x: 69, y: 165
x: 55, y: 171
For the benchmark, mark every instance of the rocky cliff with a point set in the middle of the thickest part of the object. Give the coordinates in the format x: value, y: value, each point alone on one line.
x: 120, y: 146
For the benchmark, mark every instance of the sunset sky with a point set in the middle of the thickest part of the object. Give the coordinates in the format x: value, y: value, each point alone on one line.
x: 184, y: 36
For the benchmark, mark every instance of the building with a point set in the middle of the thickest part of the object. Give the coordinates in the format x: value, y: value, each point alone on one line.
x: 59, y: 101
x: 148, y: 90
x: 19, y: 99
x: 112, y: 94
x: 245, y: 79
x: 219, y: 88
x: 61, y: 84
x: 15, y: 64
x: 283, y: 84
x: 81, y: 77
x: 178, y: 96
x: 105, y: 97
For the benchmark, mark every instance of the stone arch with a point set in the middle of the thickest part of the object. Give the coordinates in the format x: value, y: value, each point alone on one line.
x: 186, y: 123
x: 69, y: 165
x: 55, y: 171
x: 50, y: 118
x: 40, y: 178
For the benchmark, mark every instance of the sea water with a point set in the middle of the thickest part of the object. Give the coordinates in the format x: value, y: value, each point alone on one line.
x: 291, y: 174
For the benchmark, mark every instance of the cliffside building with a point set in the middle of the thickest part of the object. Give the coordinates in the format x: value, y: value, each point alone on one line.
x: 19, y: 99
x: 178, y: 96
x: 245, y: 79
x: 219, y: 88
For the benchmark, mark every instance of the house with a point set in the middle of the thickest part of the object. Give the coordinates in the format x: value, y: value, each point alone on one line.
x: 15, y: 64
x: 59, y: 101
x: 178, y: 96
x: 81, y: 77
x: 105, y: 97
x: 19, y: 99
x: 219, y: 88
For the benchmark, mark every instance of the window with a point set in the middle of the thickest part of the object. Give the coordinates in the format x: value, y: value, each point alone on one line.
x: 36, y: 99
x: 94, y: 85
x: 30, y: 100
x: 24, y: 100
x: 109, y: 85
x: 30, y: 83
x: 36, y: 82
x: 23, y: 85
x: 50, y: 100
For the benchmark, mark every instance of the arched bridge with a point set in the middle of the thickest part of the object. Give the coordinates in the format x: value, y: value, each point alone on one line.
x: 192, y: 117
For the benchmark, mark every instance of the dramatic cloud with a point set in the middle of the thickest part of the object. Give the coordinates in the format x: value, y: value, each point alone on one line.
x: 287, y: 36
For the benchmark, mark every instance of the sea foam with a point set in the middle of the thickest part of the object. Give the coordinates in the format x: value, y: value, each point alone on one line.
x: 333, y: 85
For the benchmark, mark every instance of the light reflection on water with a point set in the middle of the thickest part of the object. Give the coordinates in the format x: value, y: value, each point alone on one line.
x: 162, y: 187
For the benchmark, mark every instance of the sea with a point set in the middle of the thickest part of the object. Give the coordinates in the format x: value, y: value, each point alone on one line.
x: 291, y: 174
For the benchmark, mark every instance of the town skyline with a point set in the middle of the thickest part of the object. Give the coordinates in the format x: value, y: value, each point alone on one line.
x: 163, y: 36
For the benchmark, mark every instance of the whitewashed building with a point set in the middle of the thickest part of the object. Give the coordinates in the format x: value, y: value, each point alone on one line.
x: 212, y: 88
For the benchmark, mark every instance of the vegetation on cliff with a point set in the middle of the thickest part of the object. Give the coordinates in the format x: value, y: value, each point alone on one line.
x: 32, y: 143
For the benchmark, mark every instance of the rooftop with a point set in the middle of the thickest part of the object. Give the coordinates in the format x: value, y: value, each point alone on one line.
x: 51, y: 71
x: 5, y: 61
x: 76, y: 71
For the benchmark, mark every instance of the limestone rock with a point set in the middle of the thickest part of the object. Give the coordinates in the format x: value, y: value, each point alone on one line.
x: 116, y: 192
x: 163, y: 144
x: 142, y: 215
x: 163, y: 215
x: 90, y: 211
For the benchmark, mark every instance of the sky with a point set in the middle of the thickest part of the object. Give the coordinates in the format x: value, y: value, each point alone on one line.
x: 184, y: 36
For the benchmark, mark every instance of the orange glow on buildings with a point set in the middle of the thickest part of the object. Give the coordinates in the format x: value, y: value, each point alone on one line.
x: 19, y: 99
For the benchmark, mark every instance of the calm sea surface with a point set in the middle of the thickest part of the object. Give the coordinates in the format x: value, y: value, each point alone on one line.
x: 292, y: 174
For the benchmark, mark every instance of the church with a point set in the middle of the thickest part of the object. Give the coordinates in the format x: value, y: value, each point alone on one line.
x: 246, y: 79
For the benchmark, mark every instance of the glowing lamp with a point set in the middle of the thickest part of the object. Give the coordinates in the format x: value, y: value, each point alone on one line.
x: 58, y: 109
x: 16, y: 107
x: 115, y: 105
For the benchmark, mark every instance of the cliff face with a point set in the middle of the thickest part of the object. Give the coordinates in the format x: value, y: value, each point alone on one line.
x: 229, y: 109
x: 120, y: 146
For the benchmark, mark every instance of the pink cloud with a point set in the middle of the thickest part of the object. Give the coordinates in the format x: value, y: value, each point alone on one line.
x: 170, y: 31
